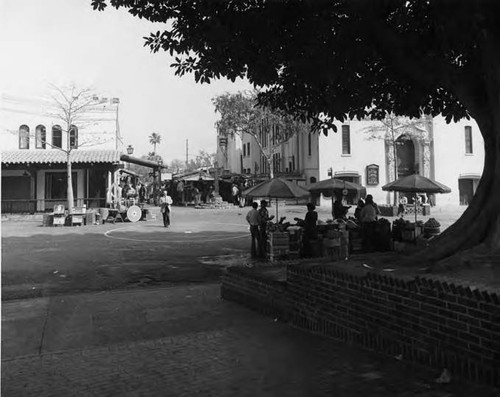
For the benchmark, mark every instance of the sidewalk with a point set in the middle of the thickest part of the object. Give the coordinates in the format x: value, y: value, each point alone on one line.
x: 186, y: 341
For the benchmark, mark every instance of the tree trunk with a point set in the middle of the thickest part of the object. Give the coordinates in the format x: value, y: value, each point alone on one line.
x: 477, y: 231
x: 70, y: 184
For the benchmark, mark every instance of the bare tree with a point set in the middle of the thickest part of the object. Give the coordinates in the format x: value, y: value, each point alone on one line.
x: 72, y: 106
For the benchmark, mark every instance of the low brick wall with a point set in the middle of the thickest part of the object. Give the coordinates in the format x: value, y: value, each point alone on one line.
x: 255, y: 290
x: 429, y: 322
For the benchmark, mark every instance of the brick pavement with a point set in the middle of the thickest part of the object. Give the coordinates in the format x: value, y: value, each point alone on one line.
x: 186, y: 341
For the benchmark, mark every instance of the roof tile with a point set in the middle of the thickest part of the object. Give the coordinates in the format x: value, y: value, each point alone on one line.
x: 57, y: 156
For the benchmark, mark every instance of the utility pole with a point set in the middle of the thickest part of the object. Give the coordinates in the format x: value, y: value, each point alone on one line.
x: 187, y: 153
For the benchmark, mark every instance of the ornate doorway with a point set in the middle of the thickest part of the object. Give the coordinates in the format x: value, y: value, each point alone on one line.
x: 405, y: 156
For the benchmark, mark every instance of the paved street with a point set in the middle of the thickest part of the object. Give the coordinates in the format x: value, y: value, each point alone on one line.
x: 134, y: 310
x: 186, y: 341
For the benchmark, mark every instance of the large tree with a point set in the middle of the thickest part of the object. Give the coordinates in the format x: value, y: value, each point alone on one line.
x: 354, y: 58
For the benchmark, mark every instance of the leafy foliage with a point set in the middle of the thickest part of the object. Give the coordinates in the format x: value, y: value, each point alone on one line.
x: 240, y: 115
x: 334, y: 58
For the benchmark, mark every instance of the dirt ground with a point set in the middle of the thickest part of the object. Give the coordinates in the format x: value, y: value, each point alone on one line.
x: 42, y: 261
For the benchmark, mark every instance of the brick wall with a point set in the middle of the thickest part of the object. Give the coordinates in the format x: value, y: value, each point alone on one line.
x: 430, y: 322
x: 253, y: 290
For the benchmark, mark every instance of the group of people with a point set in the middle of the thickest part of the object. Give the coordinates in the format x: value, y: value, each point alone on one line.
x: 257, y: 218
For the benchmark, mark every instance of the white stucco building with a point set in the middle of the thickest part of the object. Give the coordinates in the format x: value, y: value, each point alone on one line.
x: 33, y: 164
x: 363, y: 152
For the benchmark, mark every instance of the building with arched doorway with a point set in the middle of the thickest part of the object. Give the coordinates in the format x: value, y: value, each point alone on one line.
x: 373, y: 153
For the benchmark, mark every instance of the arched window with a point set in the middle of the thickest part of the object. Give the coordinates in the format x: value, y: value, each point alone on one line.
x: 57, y: 136
x: 40, y: 137
x: 24, y: 137
x: 73, y: 137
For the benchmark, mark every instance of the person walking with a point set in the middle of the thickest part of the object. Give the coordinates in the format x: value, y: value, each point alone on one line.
x: 235, y: 193
x: 253, y: 219
x: 165, y: 208
x: 264, y: 218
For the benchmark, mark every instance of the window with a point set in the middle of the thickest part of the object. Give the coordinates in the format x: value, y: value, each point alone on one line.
x: 73, y: 137
x: 277, y: 162
x: 40, y: 136
x: 309, y: 144
x: 244, y: 149
x: 24, y: 137
x: 468, y: 139
x: 248, y: 149
x: 346, y: 139
x: 57, y: 136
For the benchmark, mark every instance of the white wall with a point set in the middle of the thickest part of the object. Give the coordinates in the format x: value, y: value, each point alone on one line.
x: 363, y: 153
x: 96, y: 129
x: 451, y: 161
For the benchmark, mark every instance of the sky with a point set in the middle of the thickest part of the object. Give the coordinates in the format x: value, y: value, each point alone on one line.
x: 60, y: 42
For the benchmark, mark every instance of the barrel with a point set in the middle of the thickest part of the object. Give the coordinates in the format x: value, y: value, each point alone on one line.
x: 431, y: 231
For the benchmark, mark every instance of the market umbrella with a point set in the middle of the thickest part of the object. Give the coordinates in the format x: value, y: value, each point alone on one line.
x: 277, y: 188
x: 328, y: 187
x: 416, y: 184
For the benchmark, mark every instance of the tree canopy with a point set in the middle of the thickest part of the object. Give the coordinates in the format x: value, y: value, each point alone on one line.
x: 343, y: 58
x: 322, y: 60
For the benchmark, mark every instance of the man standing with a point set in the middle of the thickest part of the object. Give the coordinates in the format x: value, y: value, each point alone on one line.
x: 264, y: 218
x: 253, y: 219
x: 165, y: 203
x: 180, y: 192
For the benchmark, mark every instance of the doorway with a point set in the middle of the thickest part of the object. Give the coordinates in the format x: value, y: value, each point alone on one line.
x: 466, y: 189
x: 405, y: 160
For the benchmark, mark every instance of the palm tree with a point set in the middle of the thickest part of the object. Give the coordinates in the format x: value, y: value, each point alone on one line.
x: 154, y: 139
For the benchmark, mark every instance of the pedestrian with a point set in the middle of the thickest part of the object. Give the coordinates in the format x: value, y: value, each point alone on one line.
x: 180, y: 192
x: 253, y: 219
x: 235, y: 193
x: 211, y: 194
x: 142, y: 192
x: 197, y: 196
x: 368, y: 217
x: 264, y: 218
x: 165, y: 208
